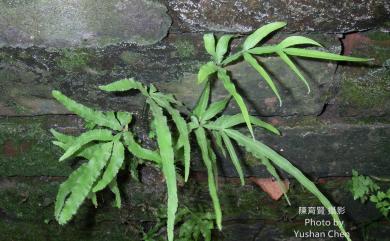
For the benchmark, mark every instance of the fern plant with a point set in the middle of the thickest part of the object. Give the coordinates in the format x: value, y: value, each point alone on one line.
x: 191, y: 225
x: 364, y: 188
x: 217, y: 66
x: 110, y: 136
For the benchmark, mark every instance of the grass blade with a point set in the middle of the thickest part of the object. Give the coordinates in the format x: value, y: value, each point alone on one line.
x: 253, y: 62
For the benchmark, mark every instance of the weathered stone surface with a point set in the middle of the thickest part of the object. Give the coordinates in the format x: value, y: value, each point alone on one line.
x: 365, y: 90
x: 307, y: 16
x: 26, y: 210
x: 81, y: 23
x: 29, y: 75
x: 26, y: 148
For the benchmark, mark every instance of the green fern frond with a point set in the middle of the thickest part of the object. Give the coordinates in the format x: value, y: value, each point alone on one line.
x: 181, y: 126
x: 258, y: 149
x: 222, y: 47
x: 253, y: 39
x: 123, y: 85
x: 89, y: 115
x: 227, y: 121
x: 203, y: 101
x: 209, y: 43
x: 85, y: 138
x: 164, y: 141
x: 115, y: 190
x: 229, y: 86
x: 201, y: 139
x: 214, y: 109
x: 271, y: 169
x: 233, y: 157
x: 253, y: 62
x: 112, y: 169
x: 139, y: 151
x: 205, y: 71
x: 73, y: 192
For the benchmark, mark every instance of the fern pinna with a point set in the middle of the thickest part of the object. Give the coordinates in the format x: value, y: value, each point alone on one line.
x: 109, y: 136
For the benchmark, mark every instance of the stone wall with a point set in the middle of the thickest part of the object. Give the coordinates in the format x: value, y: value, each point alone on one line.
x: 74, y: 46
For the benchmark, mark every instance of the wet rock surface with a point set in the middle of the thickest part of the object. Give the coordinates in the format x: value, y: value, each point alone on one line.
x: 81, y: 23
x: 75, y: 46
x: 303, y: 16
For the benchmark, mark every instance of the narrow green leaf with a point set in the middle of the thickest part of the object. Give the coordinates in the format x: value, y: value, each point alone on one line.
x: 231, y: 58
x: 205, y: 71
x: 253, y: 62
x: 164, y: 141
x: 138, y: 151
x: 271, y: 169
x: 292, y: 66
x: 321, y: 55
x: 233, y: 157
x: 88, y: 114
x: 222, y: 47
x: 124, y: 118
x: 114, y: 189
x: 218, y: 142
x: 214, y: 109
x: 203, y: 101
x: 66, y: 188
x: 263, y: 50
x: 296, y: 40
x: 123, y: 85
x: 112, y: 169
x: 209, y: 43
x: 213, y: 159
x: 93, y: 198
x: 75, y: 190
x: 62, y: 137
x: 259, y: 149
x: 227, y: 121
x: 261, y: 33
x: 181, y: 126
x: 229, y: 86
x: 85, y: 138
x: 201, y: 139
